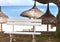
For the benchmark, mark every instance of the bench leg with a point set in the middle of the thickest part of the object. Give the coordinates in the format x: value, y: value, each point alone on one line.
x: 11, y: 37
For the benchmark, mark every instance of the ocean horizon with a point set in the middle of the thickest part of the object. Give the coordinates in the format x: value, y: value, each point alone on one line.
x: 15, y: 11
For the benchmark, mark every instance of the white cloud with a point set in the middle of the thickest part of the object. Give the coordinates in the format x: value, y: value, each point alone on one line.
x: 41, y: 4
x: 17, y: 2
x: 52, y: 4
x: 42, y: 10
x: 20, y: 2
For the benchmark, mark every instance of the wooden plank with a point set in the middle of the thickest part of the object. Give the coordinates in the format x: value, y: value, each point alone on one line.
x: 29, y: 22
x: 24, y: 33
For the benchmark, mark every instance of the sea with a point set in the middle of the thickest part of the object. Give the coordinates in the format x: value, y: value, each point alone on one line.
x: 15, y: 11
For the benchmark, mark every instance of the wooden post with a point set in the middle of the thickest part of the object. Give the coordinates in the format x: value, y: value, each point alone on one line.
x: 33, y: 36
x: 47, y: 27
x: 11, y: 37
x: 13, y: 27
x: 0, y: 27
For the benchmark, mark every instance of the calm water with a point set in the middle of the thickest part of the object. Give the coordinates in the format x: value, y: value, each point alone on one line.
x: 15, y: 11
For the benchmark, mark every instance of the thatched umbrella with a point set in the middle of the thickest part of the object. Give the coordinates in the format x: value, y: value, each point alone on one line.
x: 48, y: 18
x: 47, y: 1
x: 3, y: 18
x: 34, y: 13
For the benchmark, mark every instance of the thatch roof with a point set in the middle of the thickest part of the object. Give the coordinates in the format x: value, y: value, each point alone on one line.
x: 3, y: 17
x: 47, y: 1
x: 34, y: 12
x: 48, y: 18
x: 2, y: 14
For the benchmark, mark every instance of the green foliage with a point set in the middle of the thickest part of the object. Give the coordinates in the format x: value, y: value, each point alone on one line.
x: 37, y: 40
x: 58, y: 25
x: 58, y: 33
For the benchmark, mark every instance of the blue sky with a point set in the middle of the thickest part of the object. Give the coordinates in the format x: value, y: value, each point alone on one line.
x: 15, y: 2
x: 18, y: 2
x: 22, y: 3
x: 15, y: 12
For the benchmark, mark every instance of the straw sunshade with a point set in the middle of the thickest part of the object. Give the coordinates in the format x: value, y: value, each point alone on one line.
x: 34, y: 12
x: 3, y: 18
x: 47, y: 1
x: 43, y: 1
x: 48, y: 18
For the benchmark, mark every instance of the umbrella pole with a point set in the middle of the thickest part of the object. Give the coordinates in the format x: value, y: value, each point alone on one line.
x: 1, y: 28
x: 33, y: 36
x: 12, y: 36
x: 13, y: 39
x: 47, y: 27
x: 13, y: 27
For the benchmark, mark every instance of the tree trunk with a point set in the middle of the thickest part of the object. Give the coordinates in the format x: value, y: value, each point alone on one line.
x: 58, y: 22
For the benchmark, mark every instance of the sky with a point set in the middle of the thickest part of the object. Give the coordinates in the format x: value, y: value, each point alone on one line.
x: 19, y: 3
x: 15, y: 2
x: 22, y: 3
